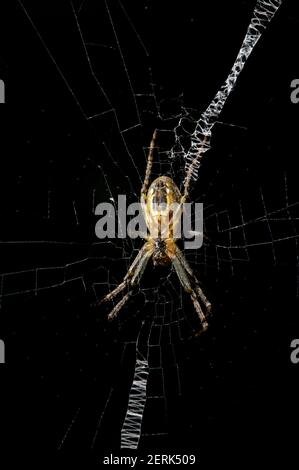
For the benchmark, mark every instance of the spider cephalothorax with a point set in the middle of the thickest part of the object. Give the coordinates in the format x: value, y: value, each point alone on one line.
x: 162, y: 208
x: 160, y: 256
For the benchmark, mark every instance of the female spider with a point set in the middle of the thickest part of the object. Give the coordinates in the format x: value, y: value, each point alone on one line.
x: 157, y: 201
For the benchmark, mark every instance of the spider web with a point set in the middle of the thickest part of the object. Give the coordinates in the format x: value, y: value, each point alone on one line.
x: 251, y: 224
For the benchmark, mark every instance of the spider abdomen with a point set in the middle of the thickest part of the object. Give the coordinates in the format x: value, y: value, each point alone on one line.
x: 162, y: 208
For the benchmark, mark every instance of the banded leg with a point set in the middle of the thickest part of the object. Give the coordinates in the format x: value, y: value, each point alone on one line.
x: 131, y: 279
x: 183, y: 277
x: 127, y: 277
x: 119, y: 306
x: 149, y: 166
x: 198, y: 289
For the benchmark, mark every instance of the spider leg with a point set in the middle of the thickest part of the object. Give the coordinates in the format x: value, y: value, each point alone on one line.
x: 149, y: 166
x: 119, y: 306
x: 127, y: 277
x: 198, y: 289
x: 114, y: 293
x: 183, y: 277
x: 131, y: 280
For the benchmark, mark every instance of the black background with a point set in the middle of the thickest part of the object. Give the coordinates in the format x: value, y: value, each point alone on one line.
x: 239, y: 396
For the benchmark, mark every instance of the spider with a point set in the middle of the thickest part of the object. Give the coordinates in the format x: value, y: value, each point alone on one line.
x: 157, y: 199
